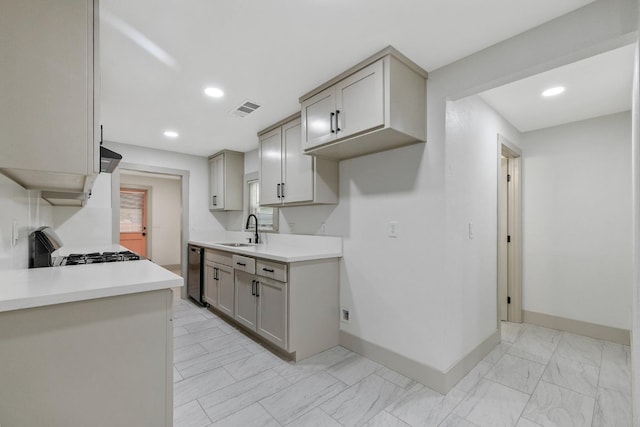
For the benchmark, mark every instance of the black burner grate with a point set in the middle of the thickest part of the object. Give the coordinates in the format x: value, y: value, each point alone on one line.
x: 97, y: 257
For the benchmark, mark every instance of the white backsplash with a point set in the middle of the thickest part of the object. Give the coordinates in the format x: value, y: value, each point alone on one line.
x: 28, y: 211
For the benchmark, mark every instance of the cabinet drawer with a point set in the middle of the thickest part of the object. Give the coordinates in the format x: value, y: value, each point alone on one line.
x: 272, y: 270
x: 244, y: 263
x: 220, y: 257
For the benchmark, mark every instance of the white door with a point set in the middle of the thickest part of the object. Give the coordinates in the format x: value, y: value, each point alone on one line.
x: 503, y: 270
x: 360, y: 101
x: 272, y: 311
x: 298, y: 167
x: 271, y: 167
x: 245, y: 304
x: 318, y: 119
x: 509, y: 233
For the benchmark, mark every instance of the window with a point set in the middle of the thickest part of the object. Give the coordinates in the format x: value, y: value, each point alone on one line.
x: 267, y: 217
x: 132, y: 204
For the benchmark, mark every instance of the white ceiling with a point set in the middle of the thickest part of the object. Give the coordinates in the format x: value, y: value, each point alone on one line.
x: 157, y: 56
x: 595, y: 87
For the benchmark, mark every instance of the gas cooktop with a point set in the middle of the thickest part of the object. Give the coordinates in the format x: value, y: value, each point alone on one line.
x: 96, y: 258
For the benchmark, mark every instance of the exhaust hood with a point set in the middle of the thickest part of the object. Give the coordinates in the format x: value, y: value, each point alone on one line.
x: 109, y: 160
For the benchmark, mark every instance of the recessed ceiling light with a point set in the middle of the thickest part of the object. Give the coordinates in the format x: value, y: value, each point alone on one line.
x: 171, y: 134
x: 214, y: 92
x: 553, y: 91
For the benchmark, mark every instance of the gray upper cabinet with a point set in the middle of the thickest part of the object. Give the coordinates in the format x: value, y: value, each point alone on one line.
x: 49, y: 91
x: 287, y: 175
x: 319, y: 116
x: 226, y: 172
x: 376, y: 105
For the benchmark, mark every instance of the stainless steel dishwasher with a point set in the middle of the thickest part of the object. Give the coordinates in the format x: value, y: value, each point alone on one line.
x: 195, y: 282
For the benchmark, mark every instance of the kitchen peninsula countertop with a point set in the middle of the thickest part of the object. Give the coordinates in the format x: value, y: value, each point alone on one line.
x: 36, y: 287
x: 274, y: 251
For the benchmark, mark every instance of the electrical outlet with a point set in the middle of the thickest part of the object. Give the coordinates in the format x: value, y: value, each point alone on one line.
x: 344, y: 315
x: 470, y: 231
x: 323, y: 229
x: 393, y: 229
x: 292, y: 227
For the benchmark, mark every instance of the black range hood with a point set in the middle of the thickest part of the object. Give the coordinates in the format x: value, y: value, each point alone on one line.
x: 108, y: 160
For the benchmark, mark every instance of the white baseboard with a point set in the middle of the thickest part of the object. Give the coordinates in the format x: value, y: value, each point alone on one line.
x: 433, y: 378
x: 607, y: 333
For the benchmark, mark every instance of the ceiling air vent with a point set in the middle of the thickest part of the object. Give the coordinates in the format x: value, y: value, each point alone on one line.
x: 246, y: 108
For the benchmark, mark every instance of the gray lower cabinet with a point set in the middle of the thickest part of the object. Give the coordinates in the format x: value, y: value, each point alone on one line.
x: 219, y: 286
x: 293, y: 306
x: 210, y: 284
x: 261, y: 306
x: 272, y: 311
x: 246, y: 299
x: 101, y: 362
x: 226, y: 288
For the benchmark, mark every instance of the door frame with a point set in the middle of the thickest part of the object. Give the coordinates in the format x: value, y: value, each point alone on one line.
x: 514, y: 223
x: 147, y: 212
x: 184, y: 225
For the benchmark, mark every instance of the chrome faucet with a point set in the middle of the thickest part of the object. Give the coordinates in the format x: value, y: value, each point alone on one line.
x: 257, y: 237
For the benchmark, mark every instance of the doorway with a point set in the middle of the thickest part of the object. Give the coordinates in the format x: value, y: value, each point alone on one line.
x: 133, y: 220
x: 509, y: 232
x: 133, y: 175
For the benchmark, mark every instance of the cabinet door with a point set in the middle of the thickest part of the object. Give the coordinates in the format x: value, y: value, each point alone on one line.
x: 271, y: 167
x: 297, y: 167
x: 47, y: 89
x: 318, y: 114
x: 226, y: 289
x: 272, y: 311
x: 360, y: 101
x: 245, y: 303
x: 216, y: 185
x: 210, y: 284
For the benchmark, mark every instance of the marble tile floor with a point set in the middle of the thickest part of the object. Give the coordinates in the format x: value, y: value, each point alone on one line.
x: 534, y: 377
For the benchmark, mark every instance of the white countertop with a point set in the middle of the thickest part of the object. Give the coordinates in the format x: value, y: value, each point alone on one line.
x: 37, y: 287
x: 276, y: 252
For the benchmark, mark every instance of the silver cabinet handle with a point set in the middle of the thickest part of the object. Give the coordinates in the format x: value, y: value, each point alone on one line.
x: 331, y: 121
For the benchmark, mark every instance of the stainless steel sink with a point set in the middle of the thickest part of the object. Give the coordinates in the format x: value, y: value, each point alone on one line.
x: 236, y: 245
